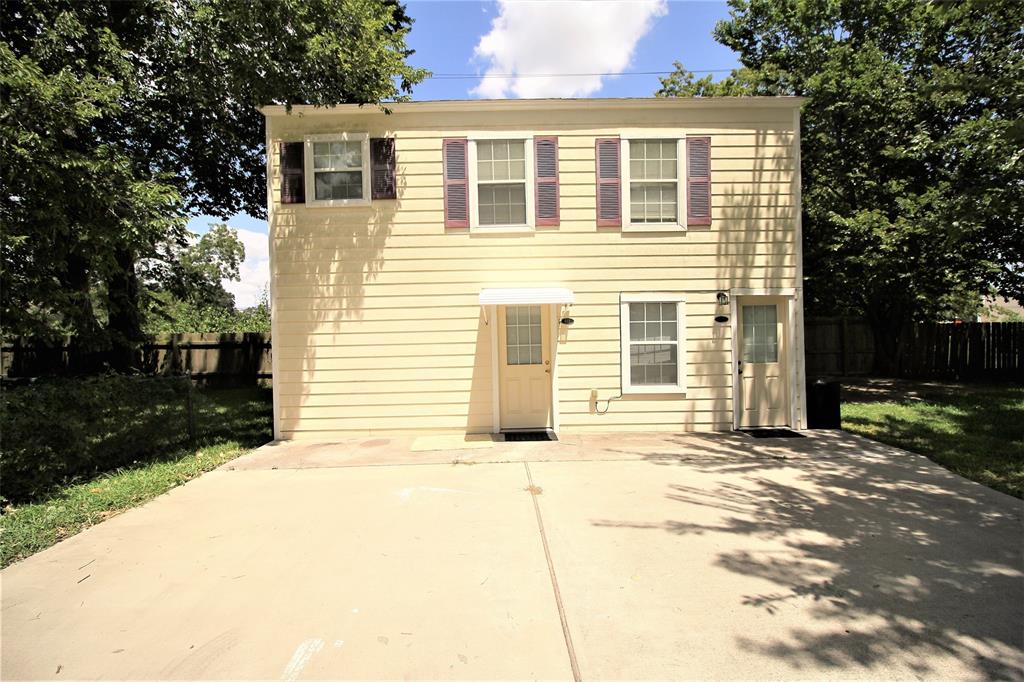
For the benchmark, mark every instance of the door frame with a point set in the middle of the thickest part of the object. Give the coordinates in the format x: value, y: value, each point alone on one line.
x: 794, y: 352
x: 553, y: 310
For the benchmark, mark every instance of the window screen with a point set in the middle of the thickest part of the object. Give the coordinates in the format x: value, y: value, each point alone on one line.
x: 501, y: 182
x: 653, y: 181
x: 653, y: 344
x: 337, y: 170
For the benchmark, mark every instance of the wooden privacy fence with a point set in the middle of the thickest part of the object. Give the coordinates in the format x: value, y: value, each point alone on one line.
x: 931, y: 350
x: 222, y: 359
x: 834, y: 347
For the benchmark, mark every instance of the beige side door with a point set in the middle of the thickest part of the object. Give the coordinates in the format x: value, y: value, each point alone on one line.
x: 524, y: 366
x: 764, y: 377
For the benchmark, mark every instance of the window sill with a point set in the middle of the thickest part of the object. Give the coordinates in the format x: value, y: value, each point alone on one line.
x: 338, y: 203
x: 654, y: 227
x: 654, y: 392
x: 502, y: 229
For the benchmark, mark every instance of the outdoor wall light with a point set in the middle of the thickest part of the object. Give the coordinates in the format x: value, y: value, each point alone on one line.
x: 567, y: 321
x: 723, y: 298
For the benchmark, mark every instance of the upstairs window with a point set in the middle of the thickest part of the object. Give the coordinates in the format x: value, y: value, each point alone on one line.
x: 652, y: 172
x: 501, y: 182
x: 653, y: 181
x: 337, y: 169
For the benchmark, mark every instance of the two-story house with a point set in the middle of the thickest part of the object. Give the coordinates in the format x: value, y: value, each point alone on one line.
x: 562, y: 265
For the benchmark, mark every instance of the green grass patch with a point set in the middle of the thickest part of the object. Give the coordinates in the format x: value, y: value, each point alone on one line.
x: 974, y: 431
x: 229, y: 422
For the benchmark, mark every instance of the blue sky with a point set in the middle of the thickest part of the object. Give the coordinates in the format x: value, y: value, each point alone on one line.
x: 510, y: 42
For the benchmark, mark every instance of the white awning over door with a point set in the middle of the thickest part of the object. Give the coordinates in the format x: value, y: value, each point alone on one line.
x: 526, y: 296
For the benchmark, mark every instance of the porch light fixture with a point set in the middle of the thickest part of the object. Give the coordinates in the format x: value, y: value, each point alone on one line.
x: 723, y: 298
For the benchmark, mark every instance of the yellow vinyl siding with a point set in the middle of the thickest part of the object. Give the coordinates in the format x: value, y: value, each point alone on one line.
x: 377, y: 326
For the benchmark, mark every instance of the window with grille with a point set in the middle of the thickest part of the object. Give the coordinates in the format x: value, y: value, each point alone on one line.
x: 523, y: 343
x: 760, y: 333
x: 653, y: 181
x: 653, y: 343
x: 501, y: 182
x: 337, y: 169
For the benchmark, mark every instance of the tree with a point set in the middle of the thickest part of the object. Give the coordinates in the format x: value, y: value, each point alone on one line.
x: 913, y: 170
x: 194, y: 272
x: 120, y: 119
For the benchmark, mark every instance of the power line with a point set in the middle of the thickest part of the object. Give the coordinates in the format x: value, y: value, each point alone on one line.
x: 474, y: 76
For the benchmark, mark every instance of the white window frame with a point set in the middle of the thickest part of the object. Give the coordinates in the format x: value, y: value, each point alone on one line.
x: 310, y: 178
x: 625, y: 342
x: 627, y: 223
x: 530, y: 180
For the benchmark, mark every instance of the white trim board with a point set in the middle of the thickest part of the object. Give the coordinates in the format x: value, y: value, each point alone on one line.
x: 794, y: 352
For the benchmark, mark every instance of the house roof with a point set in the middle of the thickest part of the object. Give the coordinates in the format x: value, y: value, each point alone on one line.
x: 454, y: 105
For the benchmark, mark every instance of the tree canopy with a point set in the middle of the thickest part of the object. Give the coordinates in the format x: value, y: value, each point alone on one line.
x: 121, y: 119
x: 912, y: 145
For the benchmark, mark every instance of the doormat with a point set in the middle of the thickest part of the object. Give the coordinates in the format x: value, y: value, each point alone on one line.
x: 772, y: 433
x: 517, y: 436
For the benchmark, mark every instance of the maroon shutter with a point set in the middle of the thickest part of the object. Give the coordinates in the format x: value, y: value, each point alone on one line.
x: 609, y: 202
x: 382, y: 168
x: 698, y: 180
x: 293, y: 181
x: 545, y: 151
x: 456, y: 182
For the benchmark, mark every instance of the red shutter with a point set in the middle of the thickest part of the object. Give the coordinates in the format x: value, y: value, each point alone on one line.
x: 293, y: 181
x: 455, y: 157
x: 609, y: 191
x: 382, y: 168
x: 698, y: 180
x: 545, y: 150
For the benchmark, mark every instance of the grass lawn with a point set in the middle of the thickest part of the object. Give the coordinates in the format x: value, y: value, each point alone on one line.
x: 229, y: 422
x: 976, y: 431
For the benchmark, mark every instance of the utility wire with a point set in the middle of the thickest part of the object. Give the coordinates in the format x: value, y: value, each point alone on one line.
x: 474, y: 76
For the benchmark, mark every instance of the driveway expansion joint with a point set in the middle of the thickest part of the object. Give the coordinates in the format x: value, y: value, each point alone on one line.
x: 534, y: 491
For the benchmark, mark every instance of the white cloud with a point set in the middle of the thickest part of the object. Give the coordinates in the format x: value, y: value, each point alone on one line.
x: 561, y: 36
x: 254, y: 271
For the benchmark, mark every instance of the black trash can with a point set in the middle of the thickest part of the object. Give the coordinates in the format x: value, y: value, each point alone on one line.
x: 823, y: 404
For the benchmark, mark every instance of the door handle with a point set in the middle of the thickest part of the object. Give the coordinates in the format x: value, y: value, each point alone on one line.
x: 739, y: 367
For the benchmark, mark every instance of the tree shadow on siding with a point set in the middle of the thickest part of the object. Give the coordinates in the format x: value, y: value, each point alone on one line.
x: 323, y: 260
x: 911, y: 560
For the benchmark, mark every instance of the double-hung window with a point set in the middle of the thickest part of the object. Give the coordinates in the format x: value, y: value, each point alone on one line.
x: 502, y: 185
x: 653, y: 331
x: 337, y: 169
x: 652, y: 177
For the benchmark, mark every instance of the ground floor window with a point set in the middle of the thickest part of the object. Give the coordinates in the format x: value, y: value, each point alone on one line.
x: 653, y: 342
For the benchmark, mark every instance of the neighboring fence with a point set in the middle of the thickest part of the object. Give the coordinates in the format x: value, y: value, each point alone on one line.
x: 838, y: 346
x: 222, y: 359
x: 834, y: 347
x: 936, y: 350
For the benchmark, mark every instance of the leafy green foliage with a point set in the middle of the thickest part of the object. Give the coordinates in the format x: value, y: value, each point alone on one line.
x: 58, y: 429
x: 181, y: 317
x: 228, y: 422
x: 120, y: 119
x: 193, y: 272
x: 913, y: 162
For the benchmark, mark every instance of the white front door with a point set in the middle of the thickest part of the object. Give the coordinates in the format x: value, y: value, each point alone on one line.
x: 764, y: 377
x: 524, y: 367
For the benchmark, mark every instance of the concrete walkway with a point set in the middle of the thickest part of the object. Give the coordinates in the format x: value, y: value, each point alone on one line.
x: 621, y: 556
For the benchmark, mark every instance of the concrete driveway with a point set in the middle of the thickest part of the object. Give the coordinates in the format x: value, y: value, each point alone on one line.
x: 616, y: 557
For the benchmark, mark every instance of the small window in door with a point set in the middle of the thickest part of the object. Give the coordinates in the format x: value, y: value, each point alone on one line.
x: 523, y: 344
x: 760, y: 334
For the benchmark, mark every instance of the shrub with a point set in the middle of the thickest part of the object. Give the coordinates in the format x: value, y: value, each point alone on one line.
x: 57, y: 430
